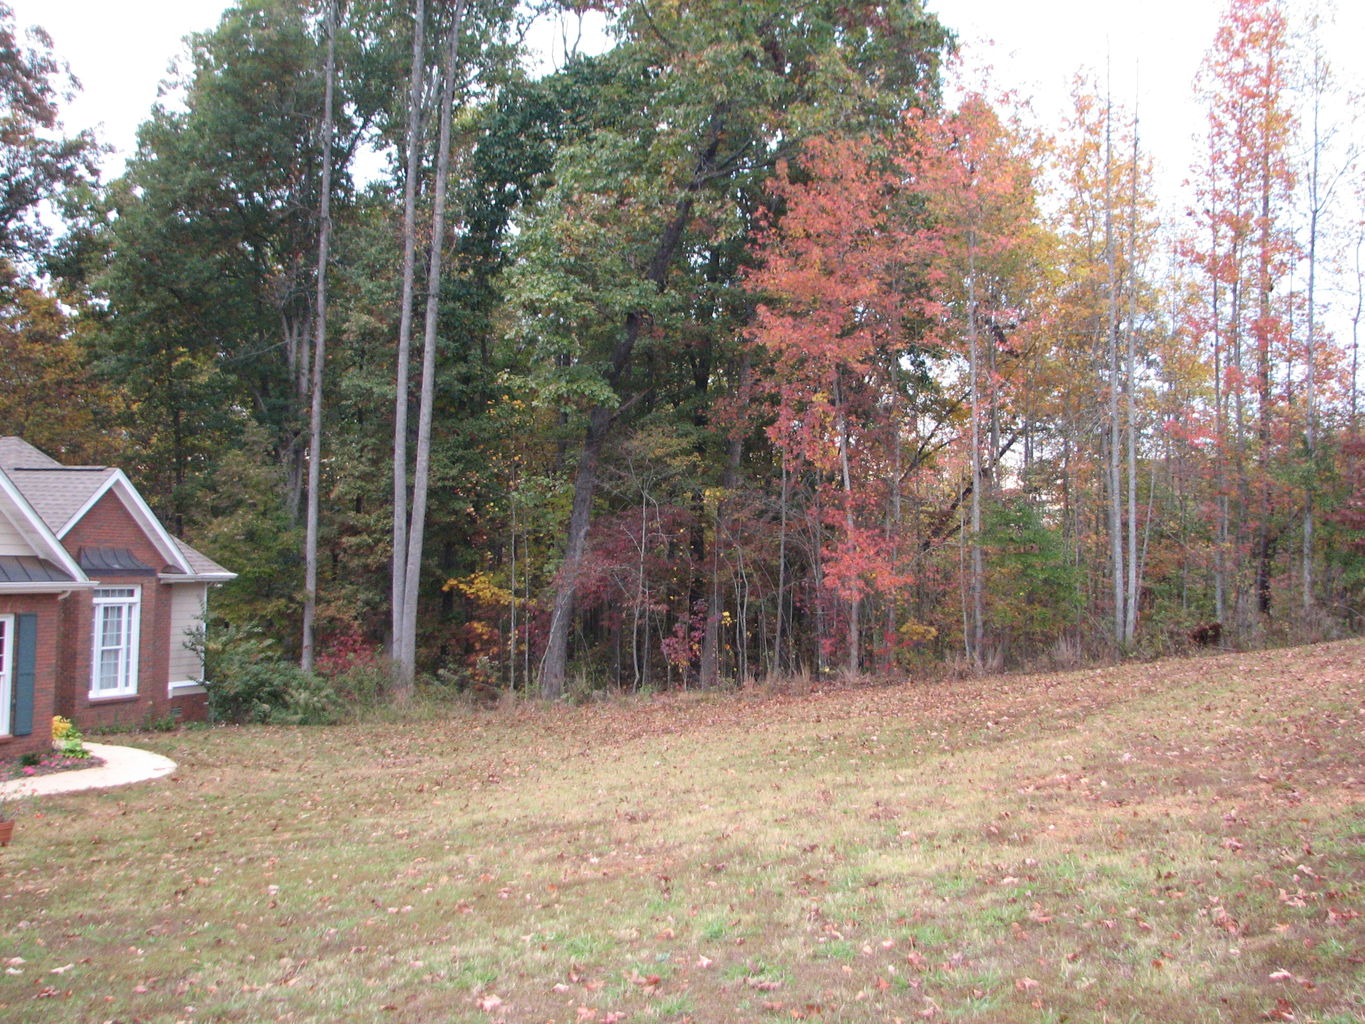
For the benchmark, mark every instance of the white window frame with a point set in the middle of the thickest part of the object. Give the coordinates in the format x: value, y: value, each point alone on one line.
x: 6, y: 672
x: 128, y: 598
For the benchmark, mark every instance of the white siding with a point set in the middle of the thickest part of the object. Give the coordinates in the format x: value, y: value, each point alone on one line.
x: 11, y: 540
x: 187, y: 606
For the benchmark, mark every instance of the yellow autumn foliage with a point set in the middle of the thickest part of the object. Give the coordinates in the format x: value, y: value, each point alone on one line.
x: 479, y: 586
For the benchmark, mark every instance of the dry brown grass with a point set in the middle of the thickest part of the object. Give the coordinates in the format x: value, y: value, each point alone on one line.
x: 1180, y: 841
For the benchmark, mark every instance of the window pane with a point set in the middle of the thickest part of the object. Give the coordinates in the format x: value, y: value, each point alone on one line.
x: 109, y: 670
x: 111, y: 633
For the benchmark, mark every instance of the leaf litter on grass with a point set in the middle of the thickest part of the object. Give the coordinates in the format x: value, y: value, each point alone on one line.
x: 1176, y: 841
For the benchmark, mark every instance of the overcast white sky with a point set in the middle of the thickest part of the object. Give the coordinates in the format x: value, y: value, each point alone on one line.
x: 121, y: 51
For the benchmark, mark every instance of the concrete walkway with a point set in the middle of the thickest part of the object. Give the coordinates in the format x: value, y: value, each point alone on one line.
x: 122, y: 766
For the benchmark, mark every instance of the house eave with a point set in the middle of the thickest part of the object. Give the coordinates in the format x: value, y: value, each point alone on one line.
x: 196, y: 577
x: 55, y: 587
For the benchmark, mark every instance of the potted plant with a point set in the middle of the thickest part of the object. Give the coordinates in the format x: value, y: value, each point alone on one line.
x: 6, y: 822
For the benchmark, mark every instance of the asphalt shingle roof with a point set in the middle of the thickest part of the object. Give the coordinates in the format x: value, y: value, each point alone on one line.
x: 15, y: 452
x: 58, y: 494
x: 200, y: 563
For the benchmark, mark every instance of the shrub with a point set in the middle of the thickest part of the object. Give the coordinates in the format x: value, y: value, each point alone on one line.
x: 67, y: 739
x: 248, y: 681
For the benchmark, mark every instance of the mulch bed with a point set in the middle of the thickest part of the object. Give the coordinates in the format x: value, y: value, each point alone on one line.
x: 48, y: 764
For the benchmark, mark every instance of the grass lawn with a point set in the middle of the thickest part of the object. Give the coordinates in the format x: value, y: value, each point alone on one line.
x: 1179, y: 841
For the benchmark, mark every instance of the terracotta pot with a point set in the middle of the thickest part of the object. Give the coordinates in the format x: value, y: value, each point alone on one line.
x: 6, y: 830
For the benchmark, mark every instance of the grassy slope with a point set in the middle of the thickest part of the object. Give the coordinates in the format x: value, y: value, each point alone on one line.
x: 1182, y: 841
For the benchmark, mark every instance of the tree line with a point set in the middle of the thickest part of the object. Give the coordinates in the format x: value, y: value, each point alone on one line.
x: 766, y: 340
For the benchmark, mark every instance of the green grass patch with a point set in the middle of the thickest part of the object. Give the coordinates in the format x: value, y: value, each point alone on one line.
x: 1182, y: 841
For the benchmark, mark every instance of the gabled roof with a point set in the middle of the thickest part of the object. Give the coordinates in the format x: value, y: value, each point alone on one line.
x: 43, y: 543
x: 59, y: 496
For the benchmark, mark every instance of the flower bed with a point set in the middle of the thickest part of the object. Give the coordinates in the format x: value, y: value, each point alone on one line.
x: 45, y: 764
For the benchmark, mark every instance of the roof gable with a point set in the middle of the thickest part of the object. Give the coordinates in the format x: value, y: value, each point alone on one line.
x: 35, y: 533
x: 58, y: 497
x: 120, y: 487
x: 62, y: 494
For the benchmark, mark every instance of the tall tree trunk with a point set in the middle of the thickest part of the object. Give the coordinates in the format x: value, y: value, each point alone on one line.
x: 1355, y: 331
x: 554, y: 662
x: 310, y: 545
x: 1115, y: 445
x: 407, y: 653
x: 398, y: 583
x: 1130, y: 386
x: 1220, y: 453
x: 555, y: 659
x: 1264, y: 284
x: 781, y: 570
x: 1318, y: 82
x: 978, y: 601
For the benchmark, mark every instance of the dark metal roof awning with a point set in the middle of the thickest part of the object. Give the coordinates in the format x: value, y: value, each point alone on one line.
x: 120, y: 561
x: 30, y: 569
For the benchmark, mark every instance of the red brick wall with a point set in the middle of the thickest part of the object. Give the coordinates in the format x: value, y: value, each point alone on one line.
x: 108, y: 524
x: 46, y: 607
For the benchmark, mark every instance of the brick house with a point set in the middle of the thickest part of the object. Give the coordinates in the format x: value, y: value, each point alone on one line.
x: 96, y: 599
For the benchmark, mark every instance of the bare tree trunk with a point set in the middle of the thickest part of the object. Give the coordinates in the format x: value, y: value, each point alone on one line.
x: 1115, y: 445
x: 978, y: 632
x: 1130, y: 385
x: 398, y: 584
x: 710, y: 650
x: 512, y: 607
x: 1355, y: 331
x: 407, y: 652
x: 1264, y: 284
x: 310, y: 544
x: 1220, y: 454
x: 1318, y: 84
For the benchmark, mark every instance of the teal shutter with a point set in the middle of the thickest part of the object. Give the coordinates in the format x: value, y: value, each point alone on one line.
x: 25, y: 661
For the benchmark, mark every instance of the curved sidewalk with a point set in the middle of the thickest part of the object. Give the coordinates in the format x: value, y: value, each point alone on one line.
x: 122, y: 766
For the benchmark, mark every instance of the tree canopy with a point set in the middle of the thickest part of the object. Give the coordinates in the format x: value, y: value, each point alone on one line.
x: 763, y: 339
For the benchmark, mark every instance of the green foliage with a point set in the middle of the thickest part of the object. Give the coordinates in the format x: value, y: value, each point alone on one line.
x: 241, y: 521
x: 1033, y: 590
x: 248, y: 681
x: 67, y: 738
x: 36, y: 162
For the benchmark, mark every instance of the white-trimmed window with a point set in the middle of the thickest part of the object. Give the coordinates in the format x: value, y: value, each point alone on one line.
x: 113, y: 666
